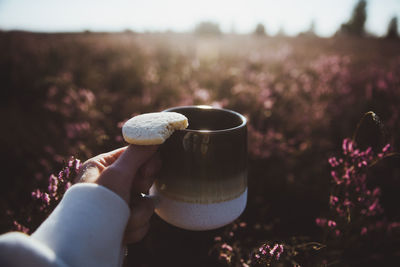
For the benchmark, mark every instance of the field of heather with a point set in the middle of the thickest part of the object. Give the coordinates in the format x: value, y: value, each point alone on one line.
x: 323, y: 188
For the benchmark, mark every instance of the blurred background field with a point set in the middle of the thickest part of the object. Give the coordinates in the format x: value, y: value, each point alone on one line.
x: 68, y: 94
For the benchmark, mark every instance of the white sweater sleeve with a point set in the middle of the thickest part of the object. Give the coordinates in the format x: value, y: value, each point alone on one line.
x: 86, y: 229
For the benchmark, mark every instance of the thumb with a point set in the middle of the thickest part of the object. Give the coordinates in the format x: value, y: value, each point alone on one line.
x: 133, y: 158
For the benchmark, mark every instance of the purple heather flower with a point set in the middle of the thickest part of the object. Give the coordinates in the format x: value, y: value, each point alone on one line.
x: 333, y: 200
x: 226, y: 246
x: 347, y: 174
x: 46, y: 198
x: 320, y: 221
x: 279, y: 251
x: 337, y: 232
x: 333, y: 162
x: 223, y: 256
x: 393, y: 225
x: 217, y: 238
x: 340, y: 211
x: 66, y: 172
x: 386, y: 148
x: 335, y: 177
x: 363, y: 211
x: 374, y: 205
x: 348, y: 146
x: 347, y: 202
x: 77, y: 164
x: 36, y: 194
x: 20, y: 227
x: 364, y: 231
x: 61, y: 175
x: 331, y: 224
x: 376, y: 192
x: 362, y: 163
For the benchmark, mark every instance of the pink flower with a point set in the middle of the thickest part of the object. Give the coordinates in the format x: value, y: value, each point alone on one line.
x: 386, y: 148
x: 340, y: 211
x: 223, y: 256
x: 217, y: 238
x: 335, y: 177
x: 347, y: 146
x: 347, y: 202
x: 320, y: 222
x: 333, y: 200
x: 226, y: 246
x: 376, y: 192
x: 364, y: 231
x: 333, y: 162
x: 46, y: 198
x: 331, y: 224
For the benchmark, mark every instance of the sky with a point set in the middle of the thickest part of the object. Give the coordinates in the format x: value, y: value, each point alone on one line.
x: 293, y: 16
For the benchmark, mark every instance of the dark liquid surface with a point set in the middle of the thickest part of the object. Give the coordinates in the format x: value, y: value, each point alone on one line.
x: 210, y: 119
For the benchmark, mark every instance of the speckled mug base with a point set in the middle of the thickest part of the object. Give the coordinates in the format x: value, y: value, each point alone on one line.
x: 198, y: 217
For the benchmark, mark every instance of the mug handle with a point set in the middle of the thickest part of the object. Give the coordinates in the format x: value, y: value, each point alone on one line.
x: 155, y: 199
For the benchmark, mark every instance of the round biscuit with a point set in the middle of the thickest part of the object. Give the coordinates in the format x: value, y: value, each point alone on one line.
x: 153, y: 128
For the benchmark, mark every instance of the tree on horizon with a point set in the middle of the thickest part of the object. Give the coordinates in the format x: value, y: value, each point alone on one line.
x: 260, y: 30
x: 310, y: 32
x: 356, y: 24
x: 392, y: 31
x: 207, y: 28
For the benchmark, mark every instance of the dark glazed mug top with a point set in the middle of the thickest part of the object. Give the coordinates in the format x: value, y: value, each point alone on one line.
x: 207, y: 162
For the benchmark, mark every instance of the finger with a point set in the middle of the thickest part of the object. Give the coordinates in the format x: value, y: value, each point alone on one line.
x: 136, y: 235
x: 88, y: 173
x: 142, y: 210
x: 110, y: 157
x: 134, y: 157
x: 147, y: 174
x: 91, y: 168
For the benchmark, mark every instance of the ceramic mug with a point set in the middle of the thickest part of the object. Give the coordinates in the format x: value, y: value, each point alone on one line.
x: 203, y: 182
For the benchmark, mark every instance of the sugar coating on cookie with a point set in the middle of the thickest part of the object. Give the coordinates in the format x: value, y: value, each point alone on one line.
x: 153, y: 128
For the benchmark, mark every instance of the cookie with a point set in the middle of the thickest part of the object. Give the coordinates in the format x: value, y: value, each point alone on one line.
x: 153, y: 128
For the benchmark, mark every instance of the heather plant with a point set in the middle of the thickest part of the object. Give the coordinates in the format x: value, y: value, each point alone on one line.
x: 237, y: 247
x: 44, y: 201
x: 355, y: 214
x: 69, y: 94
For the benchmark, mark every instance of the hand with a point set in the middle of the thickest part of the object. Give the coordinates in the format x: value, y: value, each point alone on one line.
x: 127, y: 171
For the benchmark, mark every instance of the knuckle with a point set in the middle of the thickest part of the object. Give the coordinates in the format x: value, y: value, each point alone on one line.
x: 138, y: 234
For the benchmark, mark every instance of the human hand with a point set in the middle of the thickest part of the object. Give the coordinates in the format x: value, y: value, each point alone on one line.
x: 127, y: 171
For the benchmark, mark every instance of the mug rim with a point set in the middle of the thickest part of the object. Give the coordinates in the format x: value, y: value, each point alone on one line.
x: 207, y: 107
